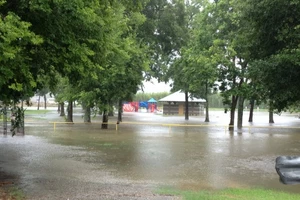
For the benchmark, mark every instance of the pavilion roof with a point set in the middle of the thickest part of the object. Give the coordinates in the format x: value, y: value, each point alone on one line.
x: 179, y: 96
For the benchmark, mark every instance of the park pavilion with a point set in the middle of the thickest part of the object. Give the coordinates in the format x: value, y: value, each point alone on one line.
x: 174, y: 104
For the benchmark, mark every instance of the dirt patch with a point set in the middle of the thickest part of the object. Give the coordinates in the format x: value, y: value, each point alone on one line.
x: 4, y: 195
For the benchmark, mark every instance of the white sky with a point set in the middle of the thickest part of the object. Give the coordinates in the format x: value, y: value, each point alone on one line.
x: 154, y: 87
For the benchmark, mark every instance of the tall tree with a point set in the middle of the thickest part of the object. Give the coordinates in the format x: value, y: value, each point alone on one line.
x: 18, y: 76
x: 275, y: 48
x: 128, y: 62
x: 230, y: 53
x: 163, y: 33
x: 201, y: 70
x: 182, y: 13
x: 180, y: 81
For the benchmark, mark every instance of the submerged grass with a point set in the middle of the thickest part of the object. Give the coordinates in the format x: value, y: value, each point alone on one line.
x: 230, y: 194
x: 35, y: 112
x: 29, y: 113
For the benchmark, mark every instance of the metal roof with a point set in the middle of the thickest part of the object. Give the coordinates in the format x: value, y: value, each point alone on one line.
x: 179, y: 96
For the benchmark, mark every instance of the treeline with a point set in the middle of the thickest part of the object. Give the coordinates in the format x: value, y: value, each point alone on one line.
x: 140, y: 96
x: 216, y: 100
x: 245, y: 50
x: 84, y: 51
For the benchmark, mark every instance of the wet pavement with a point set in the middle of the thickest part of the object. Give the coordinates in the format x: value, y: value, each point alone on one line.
x: 147, y: 152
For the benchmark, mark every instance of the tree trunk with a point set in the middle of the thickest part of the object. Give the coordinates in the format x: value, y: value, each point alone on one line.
x: 23, y: 117
x: 17, y: 120
x: 45, y: 102
x: 207, y: 112
x: 186, y: 105
x: 38, y: 107
x: 104, y: 120
x: 232, y: 112
x: 252, y: 102
x: 87, y: 114
x: 271, y: 117
x: 271, y: 114
x: 62, y: 109
x: 21, y: 129
x: 70, y: 111
x: 4, y: 111
x: 58, y: 108
x: 207, y: 103
x: 240, y: 112
x: 120, y: 110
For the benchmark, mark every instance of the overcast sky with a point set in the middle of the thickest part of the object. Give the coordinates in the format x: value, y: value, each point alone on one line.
x: 153, y: 86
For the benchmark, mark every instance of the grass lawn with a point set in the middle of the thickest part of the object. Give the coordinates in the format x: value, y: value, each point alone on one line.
x: 230, y: 194
x: 35, y: 112
x: 11, y: 193
x: 30, y: 114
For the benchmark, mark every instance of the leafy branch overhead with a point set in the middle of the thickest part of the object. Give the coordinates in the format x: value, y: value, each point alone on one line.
x: 99, y: 52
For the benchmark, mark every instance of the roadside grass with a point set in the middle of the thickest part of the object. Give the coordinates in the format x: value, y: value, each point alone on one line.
x: 230, y: 194
x: 16, y: 193
x: 11, y: 193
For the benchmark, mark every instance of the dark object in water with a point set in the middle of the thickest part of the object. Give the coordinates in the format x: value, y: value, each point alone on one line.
x: 288, y: 168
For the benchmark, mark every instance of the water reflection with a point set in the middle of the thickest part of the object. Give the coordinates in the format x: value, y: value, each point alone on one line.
x: 185, y: 157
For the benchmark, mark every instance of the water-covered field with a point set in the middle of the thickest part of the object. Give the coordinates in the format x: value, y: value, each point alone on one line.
x: 148, y: 151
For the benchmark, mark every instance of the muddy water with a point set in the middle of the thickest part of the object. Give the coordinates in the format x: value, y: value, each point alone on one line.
x: 83, y: 161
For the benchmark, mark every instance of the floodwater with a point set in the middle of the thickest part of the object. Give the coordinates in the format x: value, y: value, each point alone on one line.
x: 147, y: 152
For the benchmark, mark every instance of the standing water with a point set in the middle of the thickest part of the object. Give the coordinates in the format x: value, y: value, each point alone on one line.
x: 81, y: 161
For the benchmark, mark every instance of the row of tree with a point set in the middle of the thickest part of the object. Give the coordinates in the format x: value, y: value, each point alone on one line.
x: 78, y: 50
x: 97, y: 52
x: 245, y: 49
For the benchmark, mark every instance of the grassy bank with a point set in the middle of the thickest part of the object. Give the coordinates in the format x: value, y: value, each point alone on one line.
x: 230, y: 194
x: 11, y: 193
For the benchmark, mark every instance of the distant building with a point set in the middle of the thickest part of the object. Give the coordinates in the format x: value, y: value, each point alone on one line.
x: 174, y: 104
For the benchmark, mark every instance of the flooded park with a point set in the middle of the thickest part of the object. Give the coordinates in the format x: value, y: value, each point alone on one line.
x: 145, y: 152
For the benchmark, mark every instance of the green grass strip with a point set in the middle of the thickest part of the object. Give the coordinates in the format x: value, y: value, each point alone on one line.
x: 15, y: 193
x: 35, y: 112
x: 231, y: 194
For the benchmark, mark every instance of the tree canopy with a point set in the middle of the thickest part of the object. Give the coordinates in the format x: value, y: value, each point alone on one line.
x: 101, y: 50
x: 17, y: 76
x: 275, y: 48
